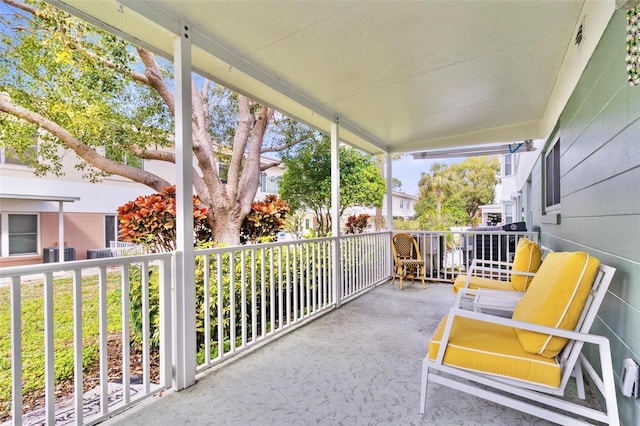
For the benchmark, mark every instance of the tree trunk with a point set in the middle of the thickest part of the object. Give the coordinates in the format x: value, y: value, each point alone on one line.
x: 225, y: 225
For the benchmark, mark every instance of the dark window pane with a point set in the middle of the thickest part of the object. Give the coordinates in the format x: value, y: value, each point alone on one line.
x: 23, y: 234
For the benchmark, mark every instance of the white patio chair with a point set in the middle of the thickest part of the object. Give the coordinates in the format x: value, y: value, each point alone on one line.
x: 499, y: 275
x: 526, y: 362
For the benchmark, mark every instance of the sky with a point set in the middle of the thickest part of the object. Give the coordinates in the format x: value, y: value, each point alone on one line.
x: 409, y: 171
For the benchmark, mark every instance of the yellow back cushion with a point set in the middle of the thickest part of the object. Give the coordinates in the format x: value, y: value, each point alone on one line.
x: 555, y: 298
x: 527, y: 259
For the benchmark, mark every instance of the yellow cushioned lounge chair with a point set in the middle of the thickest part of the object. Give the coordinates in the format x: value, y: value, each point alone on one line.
x: 496, y: 275
x: 526, y: 362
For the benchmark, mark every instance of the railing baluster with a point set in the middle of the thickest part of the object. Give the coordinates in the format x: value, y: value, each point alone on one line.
x: 243, y: 296
x: 126, y: 338
x: 307, y: 249
x: 272, y: 294
x: 295, y: 283
x: 254, y: 318
x: 206, y: 289
x: 314, y: 276
x: 49, y: 351
x: 16, y: 351
x: 232, y: 301
x: 164, y: 288
x: 220, y: 305
x: 263, y: 296
x: 280, y: 301
x: 146, y: 347
x: 104, y: 348
x: 77, y: 345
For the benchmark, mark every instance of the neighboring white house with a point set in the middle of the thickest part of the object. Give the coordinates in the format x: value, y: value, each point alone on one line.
x: 32, y: 208
x: 402, y: 204
x: 504, y: 209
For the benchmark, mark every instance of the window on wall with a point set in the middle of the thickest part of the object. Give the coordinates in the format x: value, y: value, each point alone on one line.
x: 508, y: 213
x: 7, y: 156
x: 110, y: 229
x: 508, y: 165
x: 21, y: 234
x: 269, y: 184
x: 552, y: 176
x: 401, y: 203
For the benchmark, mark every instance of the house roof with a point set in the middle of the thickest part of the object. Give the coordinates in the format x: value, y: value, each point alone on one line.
x: 399, y: 76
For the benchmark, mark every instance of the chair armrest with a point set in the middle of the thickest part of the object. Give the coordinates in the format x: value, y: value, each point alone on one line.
x: 483, y: 298
x: 569, y: 334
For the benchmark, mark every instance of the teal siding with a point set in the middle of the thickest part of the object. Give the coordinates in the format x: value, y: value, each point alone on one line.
x: 599, y: 130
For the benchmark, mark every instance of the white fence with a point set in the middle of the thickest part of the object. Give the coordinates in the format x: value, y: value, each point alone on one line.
x: 447, y: 254
x: 244, y: 296
x: 86, y: 288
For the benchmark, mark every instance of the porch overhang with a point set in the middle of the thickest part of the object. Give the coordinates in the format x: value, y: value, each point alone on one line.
x: 399, y: 76
x: 33, y: 197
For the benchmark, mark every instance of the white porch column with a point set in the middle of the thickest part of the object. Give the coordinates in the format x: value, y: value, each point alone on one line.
x: 389, y: 193
x: 335, y: 210
x: 60, y: 232
x: 389, y: 212
x: 183, y: 310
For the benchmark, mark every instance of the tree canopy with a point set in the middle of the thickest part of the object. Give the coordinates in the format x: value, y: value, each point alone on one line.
x: 306, y: 184
x: 450, y: 195
x: 81, y: 89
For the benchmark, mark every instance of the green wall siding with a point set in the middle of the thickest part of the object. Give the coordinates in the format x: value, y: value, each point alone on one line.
x: 599, y: 132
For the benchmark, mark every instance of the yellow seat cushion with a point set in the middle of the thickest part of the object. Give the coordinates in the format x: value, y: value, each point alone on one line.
x: 527, y: 258
x: 493, y: 349
x: 480, y: 282
x: 555, y: 298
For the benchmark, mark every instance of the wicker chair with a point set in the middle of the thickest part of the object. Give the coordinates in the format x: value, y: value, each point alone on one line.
x: 408, y: 262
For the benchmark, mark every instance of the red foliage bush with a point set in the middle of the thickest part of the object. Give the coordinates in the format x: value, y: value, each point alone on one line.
x: 151, y: 221
x: 357, y: 224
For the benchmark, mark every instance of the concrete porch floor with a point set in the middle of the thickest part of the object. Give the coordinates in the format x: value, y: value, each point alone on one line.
x: 358, y: 365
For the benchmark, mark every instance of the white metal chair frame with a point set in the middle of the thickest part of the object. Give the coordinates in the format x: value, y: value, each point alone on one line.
x: 497, y: 269
x: 517, y: 394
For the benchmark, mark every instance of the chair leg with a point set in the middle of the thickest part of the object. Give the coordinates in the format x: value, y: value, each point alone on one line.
x: 423, y: 386
x: 577, y: 373
x: 421, y: 272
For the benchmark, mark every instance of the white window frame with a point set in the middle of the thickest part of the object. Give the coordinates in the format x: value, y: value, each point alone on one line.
x: 508, y: 159
x: 552, y: 173
x: 4, y: 235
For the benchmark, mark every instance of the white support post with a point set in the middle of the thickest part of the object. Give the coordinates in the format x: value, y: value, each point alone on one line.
x: 389, y: 194
x: 389, y: 212
x: 184, y: 326
x: 60, y: 232
x: 335, y: 211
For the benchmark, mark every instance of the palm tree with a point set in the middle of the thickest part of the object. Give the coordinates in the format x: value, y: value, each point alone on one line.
x: 439, y: 181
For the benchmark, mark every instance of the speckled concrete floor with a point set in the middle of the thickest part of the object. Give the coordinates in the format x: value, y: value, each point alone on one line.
x: 358, y: 365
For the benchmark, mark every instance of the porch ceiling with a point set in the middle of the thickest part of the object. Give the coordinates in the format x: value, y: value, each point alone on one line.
x: 400, y: 76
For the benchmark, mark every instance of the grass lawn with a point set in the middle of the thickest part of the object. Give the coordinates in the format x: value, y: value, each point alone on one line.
x: 33, y: 331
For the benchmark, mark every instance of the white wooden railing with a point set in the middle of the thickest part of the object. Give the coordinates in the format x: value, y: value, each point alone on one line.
x: 446, y: 254
x: 92, y: 281
x: 245, y: 297
x: 277, y: 287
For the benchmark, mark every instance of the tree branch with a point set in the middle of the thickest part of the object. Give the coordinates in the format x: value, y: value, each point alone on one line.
x: 82, y: 150
x: 284, y: 146
x: 152, y: 73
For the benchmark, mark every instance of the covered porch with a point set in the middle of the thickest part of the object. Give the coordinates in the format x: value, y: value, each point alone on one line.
x: 358, y: 365
x: 361, y: 360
